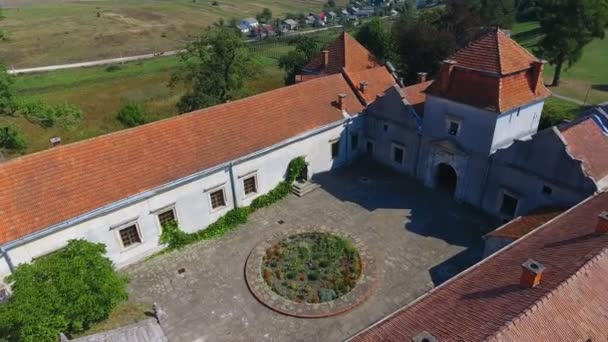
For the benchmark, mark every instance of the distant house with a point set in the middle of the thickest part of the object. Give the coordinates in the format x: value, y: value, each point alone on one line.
x: 331, y: 16
x: 247, y: 25
x: 289, y: 25
x: 365, y: 12
x: 344, y: 12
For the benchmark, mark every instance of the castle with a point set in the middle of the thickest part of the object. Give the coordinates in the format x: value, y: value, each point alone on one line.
x: 472, y: 132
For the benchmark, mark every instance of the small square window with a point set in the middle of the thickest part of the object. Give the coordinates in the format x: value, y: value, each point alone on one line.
x: 397, y: 155
x: 453, y: 128
x: 509, y: 205
x: 217, y: 199
x: 129, y: 236
x: 335, y: 149
x: 249, y: 185
x: 167, y: 217
x: 547, y: 190
x: 354, y: 141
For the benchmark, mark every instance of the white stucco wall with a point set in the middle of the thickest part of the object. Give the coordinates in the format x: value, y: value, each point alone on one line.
x: 516, y: 124
x: 191, y: 200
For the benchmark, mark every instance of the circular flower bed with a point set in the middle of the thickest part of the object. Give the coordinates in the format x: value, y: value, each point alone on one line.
x: 311, y: 267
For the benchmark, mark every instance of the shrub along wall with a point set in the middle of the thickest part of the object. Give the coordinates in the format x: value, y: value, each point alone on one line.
x: 176, y: 238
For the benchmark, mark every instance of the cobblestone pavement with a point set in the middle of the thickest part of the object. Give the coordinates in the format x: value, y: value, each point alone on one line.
x: 420, y: 238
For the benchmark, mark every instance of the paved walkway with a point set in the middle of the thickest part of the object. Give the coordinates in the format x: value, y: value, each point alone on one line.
x: 419, y: 236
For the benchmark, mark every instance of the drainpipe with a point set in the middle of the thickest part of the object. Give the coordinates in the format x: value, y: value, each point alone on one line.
x: 347, y: 141
x: 7, y: 257
x: 417, y: 160
x: 231, y: 173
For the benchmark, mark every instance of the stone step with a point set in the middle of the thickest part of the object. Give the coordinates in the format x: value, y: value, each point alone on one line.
x: 300, y: 189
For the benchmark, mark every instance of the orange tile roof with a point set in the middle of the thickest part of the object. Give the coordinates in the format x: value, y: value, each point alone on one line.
x: 416, y: 95
x: 525, y: 224
x: 494, y: 52
x: 487, y: 302
x: 344, y: 52
x: 493, y: 73
x: 378, y: 81
x: 587, y: 142
x: 47, y: 188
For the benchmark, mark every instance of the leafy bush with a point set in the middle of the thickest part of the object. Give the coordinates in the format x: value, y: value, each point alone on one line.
x: 65, y: 292
x: 36, y: 111
x: 12, y: 138
x: 295, y: 169
x: 113, y: 67
x: 132, y: 115
x: 176, y: 238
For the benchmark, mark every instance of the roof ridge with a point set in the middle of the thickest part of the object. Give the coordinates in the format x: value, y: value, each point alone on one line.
x: 158, y: 122
x: 542, y: 300
x: 499, y: 57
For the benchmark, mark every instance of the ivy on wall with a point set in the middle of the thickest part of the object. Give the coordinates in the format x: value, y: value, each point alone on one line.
x: 176, y: 238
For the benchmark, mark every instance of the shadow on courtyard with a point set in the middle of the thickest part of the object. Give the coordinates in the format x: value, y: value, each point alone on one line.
x: 429, y: 213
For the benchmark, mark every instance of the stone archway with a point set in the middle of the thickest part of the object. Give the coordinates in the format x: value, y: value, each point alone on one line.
x: 446, y: 178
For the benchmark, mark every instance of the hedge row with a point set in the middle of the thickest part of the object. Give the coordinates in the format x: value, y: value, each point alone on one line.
x: 176, y: 238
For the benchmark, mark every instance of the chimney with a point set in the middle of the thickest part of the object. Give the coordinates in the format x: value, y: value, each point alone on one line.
x: 537, y: 73
x: 362, y: 86
x: 325, y: 57
x: 446, y: 72
x: 422, y: 77
x: 55, y: 141
x: 602, y: 223
x: 341, y: 103
x: 424, y: 336
x: 531, y: 273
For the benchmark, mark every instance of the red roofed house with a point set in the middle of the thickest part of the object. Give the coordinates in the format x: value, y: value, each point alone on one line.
x: 550, y: 285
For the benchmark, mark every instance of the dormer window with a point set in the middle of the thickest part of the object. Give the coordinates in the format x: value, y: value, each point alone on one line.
x: 453, y: 128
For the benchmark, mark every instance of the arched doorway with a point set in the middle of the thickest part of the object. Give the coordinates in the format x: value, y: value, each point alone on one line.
x: 446, y: 178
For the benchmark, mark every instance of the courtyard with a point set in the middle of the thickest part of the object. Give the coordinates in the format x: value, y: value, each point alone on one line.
x: 419, y: 237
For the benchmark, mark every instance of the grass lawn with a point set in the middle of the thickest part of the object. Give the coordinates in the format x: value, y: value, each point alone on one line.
x: 47, y: 32
x: 100, y: 93
x: 557, y: 111
x: 586, y: 80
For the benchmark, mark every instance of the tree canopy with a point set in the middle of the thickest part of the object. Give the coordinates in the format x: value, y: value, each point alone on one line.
x: 265, y: 16
x: 306, y: 47
x: 376, y: 36
x: 61, y: 293
x: 215, y: 67
x: 567, y: 26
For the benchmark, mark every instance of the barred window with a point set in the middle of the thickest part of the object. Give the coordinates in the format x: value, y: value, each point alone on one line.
x: 335, y: 149
x: 250, y: 186
x: 129, y: 236
x: 217, y: 199
x: 167, y: 217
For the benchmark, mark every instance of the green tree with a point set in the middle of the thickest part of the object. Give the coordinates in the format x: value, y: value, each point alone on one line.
x: 62, y: 292
x: 306, y: 47
x: 215, y: 67
x: 265, y: 16
x: 499, y: 13
x: 132, y: 115
x: 567, y: 26
x: 421, y: 44
x: 33, y: 110
x: 376, y: 36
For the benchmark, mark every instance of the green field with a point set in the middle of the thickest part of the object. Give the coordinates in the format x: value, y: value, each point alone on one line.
x: 586, y: 80
x: 45, y: 32
x: 101, y: 92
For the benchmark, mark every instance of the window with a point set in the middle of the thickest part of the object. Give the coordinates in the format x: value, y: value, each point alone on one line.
x: 369, y: 147
x: 397, y: 154
x: 250, y: 185
x: 354, y: 141
x: 217, y: 199
x: 509, y: 205
x: 385, y: 127
x: 129, y: 236
x: 453, y: 128
x: 547, y: 190
x: 167, y: 217
x: 335, y: 149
